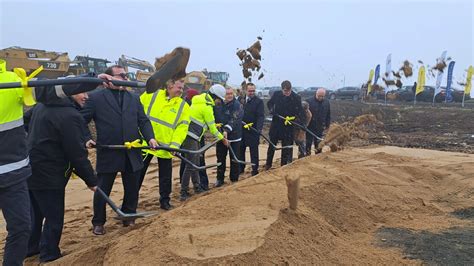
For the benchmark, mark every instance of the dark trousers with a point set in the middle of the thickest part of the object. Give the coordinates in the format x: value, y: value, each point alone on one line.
x: 165, y: 171
x: 252, y: 142
x: 221, y: 152
x: 15, y: 205
x: 286, y: 154
x: 130, y: 197
x: 310, y: 141
x: 189, y: 171
x: 204, y: 179
x: 47, y: 206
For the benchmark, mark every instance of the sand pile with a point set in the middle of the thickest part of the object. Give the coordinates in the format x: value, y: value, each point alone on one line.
x: 345, y: 198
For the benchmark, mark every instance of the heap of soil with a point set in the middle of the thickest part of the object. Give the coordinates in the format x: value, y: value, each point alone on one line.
x: 345, y: 198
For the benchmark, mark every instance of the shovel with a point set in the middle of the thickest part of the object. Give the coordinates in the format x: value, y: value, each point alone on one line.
x: 303, y: 128
x: 120, y: 214
x: 268, y: 140
x: 160, y: 147
x: 235, y: 159
x: 196, y: 166
x: 171, y: 66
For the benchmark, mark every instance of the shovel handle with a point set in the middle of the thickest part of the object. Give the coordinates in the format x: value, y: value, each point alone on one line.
x: 165, y: 148
x: 109, y: 201
x: 303, y: 127
x: 268, y: 140
x: 66, y: 81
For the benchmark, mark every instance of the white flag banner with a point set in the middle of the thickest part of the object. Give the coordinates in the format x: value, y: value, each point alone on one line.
x: 388, y: 73
x: 439, y: 78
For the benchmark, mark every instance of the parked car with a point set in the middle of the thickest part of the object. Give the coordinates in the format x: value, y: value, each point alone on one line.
x: 456, y: 95
x: 406, y: 93
x: 263, y: 92
x: 353, y: 93
x: 311, y: 91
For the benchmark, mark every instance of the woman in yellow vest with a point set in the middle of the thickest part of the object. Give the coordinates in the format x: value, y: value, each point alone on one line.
x: 169, y: 116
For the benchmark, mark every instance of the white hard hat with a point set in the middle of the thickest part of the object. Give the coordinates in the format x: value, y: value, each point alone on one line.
x: 218, y: 90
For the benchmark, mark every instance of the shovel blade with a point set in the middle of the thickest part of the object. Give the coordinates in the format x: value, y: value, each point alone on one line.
x: 170, y: 66
x: 134, y: 216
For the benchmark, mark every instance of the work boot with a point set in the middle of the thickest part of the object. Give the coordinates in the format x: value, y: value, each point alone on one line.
x: 198, y: 190
x: 254, y: 173
x: 219, y: 183
x: 98, y: 230
x: 267, y: 167
x: 184, y: 195
x: 166, y: 206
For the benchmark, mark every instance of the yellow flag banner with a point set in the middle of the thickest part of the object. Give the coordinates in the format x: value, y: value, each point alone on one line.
x: 420, y: 86
x: 369, y: 83
x: 470, y: 72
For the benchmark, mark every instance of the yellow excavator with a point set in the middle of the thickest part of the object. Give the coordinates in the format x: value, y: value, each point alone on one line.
x: 54, y: 64
x: 144, y: 68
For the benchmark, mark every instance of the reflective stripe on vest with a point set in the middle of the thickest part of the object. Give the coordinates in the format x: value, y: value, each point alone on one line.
x: 194, y: 136
x: 159, y: 121
x: 203, y: 125
x: 6, y: 168
x: 12, y: 124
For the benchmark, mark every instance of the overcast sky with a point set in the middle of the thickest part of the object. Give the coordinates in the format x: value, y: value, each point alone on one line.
x: 311, y: 43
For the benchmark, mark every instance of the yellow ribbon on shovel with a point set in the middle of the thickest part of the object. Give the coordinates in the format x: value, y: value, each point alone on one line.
x: 248, y: 126
x: 133, y: 144
x: 28, y: 98
x: 288, y: 120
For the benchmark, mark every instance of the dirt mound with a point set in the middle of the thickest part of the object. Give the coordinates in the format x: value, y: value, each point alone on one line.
x: 345, y: 198
x: 422, y: 126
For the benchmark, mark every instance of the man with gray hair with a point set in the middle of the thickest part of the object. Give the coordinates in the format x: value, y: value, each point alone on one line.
x: 321, y: 119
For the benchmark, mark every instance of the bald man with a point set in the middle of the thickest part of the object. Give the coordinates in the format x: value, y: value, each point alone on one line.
x: 321, y: 119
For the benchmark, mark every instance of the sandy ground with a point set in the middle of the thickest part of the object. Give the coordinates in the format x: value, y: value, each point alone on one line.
x: 345, y: 199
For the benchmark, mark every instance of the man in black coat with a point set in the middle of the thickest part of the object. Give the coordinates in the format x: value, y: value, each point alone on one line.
x: 253, y: 113
x: 229, y: 115
x: 321, y: 119
x: 119, y: 117
x: 56, y: 143
x: 285, y: 103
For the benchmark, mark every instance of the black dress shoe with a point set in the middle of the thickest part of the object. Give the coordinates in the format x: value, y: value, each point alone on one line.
x: 32, y: 253
x: 219, y: 183
x: 166, y: 206
x: 128, y: 223
x: 98, y: 230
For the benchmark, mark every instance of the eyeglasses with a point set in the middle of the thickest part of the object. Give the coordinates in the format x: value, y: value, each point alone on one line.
x: 122, y: 75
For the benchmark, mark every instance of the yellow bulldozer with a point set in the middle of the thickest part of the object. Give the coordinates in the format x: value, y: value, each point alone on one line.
x: 54, y: 64
x: 203, y: 80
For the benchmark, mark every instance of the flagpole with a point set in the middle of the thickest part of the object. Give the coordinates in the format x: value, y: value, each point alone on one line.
x: 463, y: 95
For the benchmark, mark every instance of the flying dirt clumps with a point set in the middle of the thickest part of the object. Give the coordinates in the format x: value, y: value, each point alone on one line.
x: 250, y: 61
x: 361, y: 127
x: 407, y: 69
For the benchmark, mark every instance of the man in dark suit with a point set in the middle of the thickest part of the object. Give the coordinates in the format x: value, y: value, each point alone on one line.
x: 119, y: 117
x: 253, y: 113
x: 320, y: 120
x: 285, y: 103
